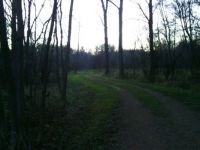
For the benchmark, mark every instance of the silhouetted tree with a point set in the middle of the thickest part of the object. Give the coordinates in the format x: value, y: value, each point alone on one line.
x: 105, y: 22
x: 66, y: 65
x: 9, y: 84
x: 18, y: 63
x: 169, y: 34
x: 120, y: 46
x: 149, y: 18
x: 45, y: 69
x: 189, y: 23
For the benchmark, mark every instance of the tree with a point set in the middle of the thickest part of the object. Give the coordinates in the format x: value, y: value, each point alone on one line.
x: 120, y: 46
x: 9, y: 83
x: 105, y: 10
x: 17, y: 38
x: 189, y: 22
x: 45, y: 69
x: 149, y: 18
x: 169, y: 34
x: 66, y: 65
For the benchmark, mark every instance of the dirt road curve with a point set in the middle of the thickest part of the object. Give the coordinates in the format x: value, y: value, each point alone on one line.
x: 139, y: 129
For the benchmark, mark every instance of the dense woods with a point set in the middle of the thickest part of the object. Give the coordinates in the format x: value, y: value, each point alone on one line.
x: 32, y: 61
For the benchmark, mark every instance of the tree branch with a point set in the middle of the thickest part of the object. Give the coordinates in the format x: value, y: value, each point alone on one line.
x: 143, y: 12
x: 113, y: 4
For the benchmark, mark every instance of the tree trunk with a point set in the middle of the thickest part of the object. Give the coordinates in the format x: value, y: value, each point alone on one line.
x: 121, y: 61
x: 7, y: 73
x: 45, y: 71
x: 66, y: 65
x: 18, y: 62
x: 152, y: 52
x: 106, y: 48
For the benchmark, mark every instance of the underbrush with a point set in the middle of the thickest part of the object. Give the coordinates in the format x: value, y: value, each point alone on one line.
x: 86, y: 124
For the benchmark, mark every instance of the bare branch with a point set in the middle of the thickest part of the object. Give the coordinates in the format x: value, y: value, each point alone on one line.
x: 43, y: 28
x: 113, y: 4
x: 35, y: 19
x: 101, y: 20
x: 143, y: 12
x: 103, y: 5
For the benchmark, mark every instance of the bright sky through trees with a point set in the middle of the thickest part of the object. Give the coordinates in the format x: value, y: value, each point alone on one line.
x: 89, y: 14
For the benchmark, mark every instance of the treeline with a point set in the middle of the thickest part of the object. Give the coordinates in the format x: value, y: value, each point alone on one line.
x: 171, y: 65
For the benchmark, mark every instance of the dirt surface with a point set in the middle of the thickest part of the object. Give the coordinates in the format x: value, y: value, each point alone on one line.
x: 137, y: 128
x: 140, y: 129
x: 185, y: 122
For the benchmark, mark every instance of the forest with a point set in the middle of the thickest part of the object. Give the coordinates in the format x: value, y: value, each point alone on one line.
x: 57, y: 97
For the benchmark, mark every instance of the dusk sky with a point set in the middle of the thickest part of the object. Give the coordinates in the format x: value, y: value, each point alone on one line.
x: 89, y: 14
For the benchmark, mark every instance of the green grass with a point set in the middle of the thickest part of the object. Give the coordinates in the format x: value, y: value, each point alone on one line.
x: 190, y: 97
x: 147, y: 99
x: 92, y: 107
x: 90, y: 122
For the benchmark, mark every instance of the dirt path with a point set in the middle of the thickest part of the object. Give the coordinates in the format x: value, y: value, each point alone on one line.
x: 139, y: 129
x: 185, y: 122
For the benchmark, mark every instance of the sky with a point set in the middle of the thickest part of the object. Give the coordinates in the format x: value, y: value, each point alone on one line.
x: 88, y: 13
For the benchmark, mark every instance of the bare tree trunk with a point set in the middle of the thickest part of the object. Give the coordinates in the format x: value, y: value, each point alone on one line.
x: 29, y: 53
x: 78, y: 51
x: 57, y: 55
x: 120, y: 47
x: 18, y: 61
x: 105, y: 10
x: 67, y: 54
x: 121, y: 60
x: 8, y: 77
x: 107, y: 71
x: 45, y: 71
x: 152, y: 52
x: 4, y: 44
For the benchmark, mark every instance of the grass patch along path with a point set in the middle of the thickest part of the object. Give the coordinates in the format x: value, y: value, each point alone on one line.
x: 92, y: 112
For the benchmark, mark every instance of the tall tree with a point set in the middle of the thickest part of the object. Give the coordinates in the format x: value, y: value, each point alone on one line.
x: 4, y: 44
x: 45, y: 69
x: 105, y: 10
x: 149, y: 18
x: 17, y: 38
x: 169, y: 34
x: 66, y: 65
x: 120, y: 46
x: 7, y: 76
x: 78, y: 51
